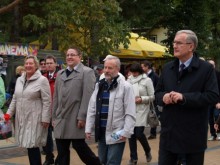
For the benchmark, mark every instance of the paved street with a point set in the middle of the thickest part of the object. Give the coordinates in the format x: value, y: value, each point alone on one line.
x: 12, y: 155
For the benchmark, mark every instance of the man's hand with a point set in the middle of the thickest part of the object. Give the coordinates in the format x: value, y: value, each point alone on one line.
x: 88, y: 136
x: 167, y: 99
x: 217, y: 106
x: 81, y: 124
x: 175, y: 96
x: 122, y: 138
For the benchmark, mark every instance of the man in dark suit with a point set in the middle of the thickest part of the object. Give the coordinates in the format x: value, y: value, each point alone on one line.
x: 186, y: 89
x: 147, y: 68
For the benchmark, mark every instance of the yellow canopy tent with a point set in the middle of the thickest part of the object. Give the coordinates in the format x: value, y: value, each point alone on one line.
x: 140, y: 47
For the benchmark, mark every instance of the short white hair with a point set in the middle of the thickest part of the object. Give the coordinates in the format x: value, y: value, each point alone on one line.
x: 111, y: 57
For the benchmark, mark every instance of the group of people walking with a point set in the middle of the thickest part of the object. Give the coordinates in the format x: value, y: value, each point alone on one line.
x: 73, y: 103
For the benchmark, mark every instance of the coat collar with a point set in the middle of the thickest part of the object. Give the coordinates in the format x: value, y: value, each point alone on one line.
x: 134, y: 80
x: 35, y: 76
x: 78, y: 70
x: 193, y: 65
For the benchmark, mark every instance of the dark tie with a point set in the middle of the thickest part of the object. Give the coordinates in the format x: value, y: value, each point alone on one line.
x: 50, y: 76
x: 68, y: 72
x: 182, y: 66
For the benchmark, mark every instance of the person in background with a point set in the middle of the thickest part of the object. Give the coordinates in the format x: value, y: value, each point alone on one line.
x: 2, y: 92
x: 18, y: 72
x: 112, y: 110
x: 31, y: 102
x: 186, y: 88
x: 99, y: 70
x: 144, y: 95
x: 214, y: 110
x: 147, y: 67
x: 73, y: 89
x: 51, y: 74
x: 43, y: 67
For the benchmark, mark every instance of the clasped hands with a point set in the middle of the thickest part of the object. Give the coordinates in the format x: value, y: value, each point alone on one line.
x: 172, y: 97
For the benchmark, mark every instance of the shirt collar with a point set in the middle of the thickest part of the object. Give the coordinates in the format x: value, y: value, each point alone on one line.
x: 187, y: 62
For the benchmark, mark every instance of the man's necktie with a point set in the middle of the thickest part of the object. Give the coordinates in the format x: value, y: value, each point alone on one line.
x: 182, y: 66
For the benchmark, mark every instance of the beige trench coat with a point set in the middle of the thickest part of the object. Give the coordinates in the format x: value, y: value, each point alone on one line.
x: 70, y: 102
x: 31, y: 103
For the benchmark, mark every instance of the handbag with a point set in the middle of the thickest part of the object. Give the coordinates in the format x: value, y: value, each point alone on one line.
x: 152, y: 118
x: 5, y: 127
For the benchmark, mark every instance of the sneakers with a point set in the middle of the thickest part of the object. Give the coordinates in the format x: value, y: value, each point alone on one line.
x: 212, y: 138
x: 132, y: 162
x: 151, y: 137
x: 149, y: 157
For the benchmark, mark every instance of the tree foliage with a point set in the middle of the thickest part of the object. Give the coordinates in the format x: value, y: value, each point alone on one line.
x: 98, y: 25
x: 94, y: 26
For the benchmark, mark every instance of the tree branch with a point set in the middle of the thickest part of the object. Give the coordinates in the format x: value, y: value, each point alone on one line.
x: 9, y: 7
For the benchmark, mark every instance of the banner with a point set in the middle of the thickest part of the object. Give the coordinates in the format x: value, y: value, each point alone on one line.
x: 16, y: 49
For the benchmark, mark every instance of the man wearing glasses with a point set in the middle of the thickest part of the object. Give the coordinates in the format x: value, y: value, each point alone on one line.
x: 73, y: 89
x: 186, y: 88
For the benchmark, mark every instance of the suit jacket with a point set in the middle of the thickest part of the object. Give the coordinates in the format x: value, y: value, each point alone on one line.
x: 71, y: 99
x: 184, y: 125
x: 154, y: 77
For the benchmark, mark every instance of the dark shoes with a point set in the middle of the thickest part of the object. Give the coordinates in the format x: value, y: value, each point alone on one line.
x: 149, y: 157
x: 132, y: 162
x: 43, y: 152
x: 48, y: 162
x: 151, y: 137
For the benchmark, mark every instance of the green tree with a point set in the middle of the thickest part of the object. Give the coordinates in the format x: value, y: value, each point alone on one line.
x: 173, y: 15
x: 214, y: 26
x: 92, y: 25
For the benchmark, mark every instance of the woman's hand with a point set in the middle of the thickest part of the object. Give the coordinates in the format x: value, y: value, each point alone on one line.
x: 138, y: 100
x: 45, y: 125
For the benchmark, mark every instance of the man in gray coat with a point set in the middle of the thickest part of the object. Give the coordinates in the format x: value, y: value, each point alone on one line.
x: 73, y: 88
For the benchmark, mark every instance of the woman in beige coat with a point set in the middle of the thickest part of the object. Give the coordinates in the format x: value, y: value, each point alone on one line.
x: 31, y: 102
x: 144, y: 92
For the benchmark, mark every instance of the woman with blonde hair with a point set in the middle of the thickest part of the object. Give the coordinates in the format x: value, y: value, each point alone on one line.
x: 31, y: 103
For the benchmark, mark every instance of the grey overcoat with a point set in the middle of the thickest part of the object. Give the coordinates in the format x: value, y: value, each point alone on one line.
x: 70, y: 103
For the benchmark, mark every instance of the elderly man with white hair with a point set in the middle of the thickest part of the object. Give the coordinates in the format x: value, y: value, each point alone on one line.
x: 112, y: 110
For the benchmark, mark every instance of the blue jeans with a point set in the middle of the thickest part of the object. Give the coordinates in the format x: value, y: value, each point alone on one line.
x: 138, y: 135
x: 110, y: 154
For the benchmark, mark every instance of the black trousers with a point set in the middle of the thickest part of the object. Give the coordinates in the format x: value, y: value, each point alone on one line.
x: 34, y: 156
x: 169, y: 158
x: 82, y: 149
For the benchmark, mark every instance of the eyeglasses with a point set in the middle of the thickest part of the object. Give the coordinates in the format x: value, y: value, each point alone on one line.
x: 180, y: 43
x: 72, y: 55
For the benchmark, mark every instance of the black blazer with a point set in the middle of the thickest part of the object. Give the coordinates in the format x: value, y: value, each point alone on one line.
x: 184, y: 125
